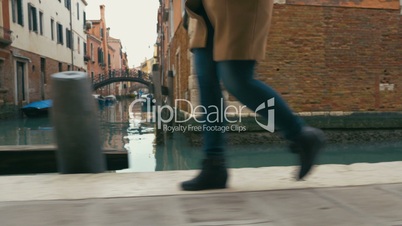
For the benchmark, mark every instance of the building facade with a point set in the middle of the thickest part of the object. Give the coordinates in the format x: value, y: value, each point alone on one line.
x: 116, y: 62
x: 6, y: 38
x: 95, y: 54
x: 46, y: 37
x: 104, y: 56
x: 321, y: 55
x: 173, y: 55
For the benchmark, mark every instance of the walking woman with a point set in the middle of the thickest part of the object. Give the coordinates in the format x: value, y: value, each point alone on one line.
x: 229, y: 38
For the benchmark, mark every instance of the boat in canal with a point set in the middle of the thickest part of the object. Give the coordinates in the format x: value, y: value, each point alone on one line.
x: 37, y: 108
x: 110, y: 100
x: 100, y: 99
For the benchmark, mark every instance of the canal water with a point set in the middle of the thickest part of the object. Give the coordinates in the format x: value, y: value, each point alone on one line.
x: 120, y: 130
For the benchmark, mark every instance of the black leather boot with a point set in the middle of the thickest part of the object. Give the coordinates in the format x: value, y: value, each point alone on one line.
x: 308, y: 145
x: 213, y: 175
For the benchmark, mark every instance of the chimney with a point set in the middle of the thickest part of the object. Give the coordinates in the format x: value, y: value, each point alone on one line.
x: 105, y: 38
x: 102, y: 11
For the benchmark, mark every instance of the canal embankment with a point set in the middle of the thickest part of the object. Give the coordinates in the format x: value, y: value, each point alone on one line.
x: 8, y: 111
x: 339, y: 127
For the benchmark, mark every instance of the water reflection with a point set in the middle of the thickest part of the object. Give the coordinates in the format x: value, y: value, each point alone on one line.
x: 122, y: 131
x: 113, y: 125
x: 26, y: 131
x: 141, y: 153
x: 141, y: 138
x: 178, y: 154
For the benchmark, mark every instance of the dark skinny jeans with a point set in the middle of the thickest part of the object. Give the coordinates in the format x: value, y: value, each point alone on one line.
x: 237, y: 77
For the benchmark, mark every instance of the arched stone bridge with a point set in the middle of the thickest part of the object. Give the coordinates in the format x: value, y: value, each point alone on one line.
x: 125, y: 76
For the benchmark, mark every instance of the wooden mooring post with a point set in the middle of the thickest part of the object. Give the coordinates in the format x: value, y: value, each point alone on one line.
x: 156, y: 78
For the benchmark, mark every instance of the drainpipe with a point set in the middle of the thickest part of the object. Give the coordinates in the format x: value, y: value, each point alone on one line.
x: 71, y: 36
x: 169, y: 34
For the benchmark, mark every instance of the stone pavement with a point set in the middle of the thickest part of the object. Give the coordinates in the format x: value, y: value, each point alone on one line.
x: 357, y: 194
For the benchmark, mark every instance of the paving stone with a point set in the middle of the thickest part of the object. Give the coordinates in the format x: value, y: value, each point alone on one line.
x: 304, y: 207
x: 372, y: 201
x: 224, y: 208
x: 358, y: 194
x: 152, y: 211
x: 393, y: 188
x: 64, y: 213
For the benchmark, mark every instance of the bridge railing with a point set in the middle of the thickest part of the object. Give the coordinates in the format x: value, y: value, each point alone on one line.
x: 121, y: 73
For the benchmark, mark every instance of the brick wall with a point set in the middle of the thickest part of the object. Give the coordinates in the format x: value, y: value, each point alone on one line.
x: 335, y: 58
x: 32, y: 73
x: 180, y: 61
x: 327, y: 55
x: 5, y: 72
x: 374, y: 4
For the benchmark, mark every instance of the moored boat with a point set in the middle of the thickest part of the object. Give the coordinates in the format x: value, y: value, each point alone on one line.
x: 100, y: 99
x: 110, y: 100
x: 37, y: 108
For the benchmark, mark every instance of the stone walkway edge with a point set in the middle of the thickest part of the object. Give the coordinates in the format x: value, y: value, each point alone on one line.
x: 166, y: 183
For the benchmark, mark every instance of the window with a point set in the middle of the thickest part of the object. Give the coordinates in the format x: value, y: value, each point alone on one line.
x: 32, y: 18
x: 52, y: 29
x: 84, y: 17
x: 67, y: 4
x: 17, y: 12
x: 177, y: 69
x: 92, y: 52
x: 171, y: 20
x: 69, y: 39
x: 100, y: 56
x: 79, y: 45
x: 41, y: 23
x: 1, y: 71
x: 85, y: 48
x: 43, y: 69
x: 78, y: 11
x: 59, y: 33
x: 60, y: 67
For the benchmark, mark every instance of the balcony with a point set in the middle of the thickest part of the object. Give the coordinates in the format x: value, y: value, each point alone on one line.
x: 5, y: 37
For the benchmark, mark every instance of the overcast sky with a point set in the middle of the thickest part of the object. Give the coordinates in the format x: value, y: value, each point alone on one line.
x: 131, y: 21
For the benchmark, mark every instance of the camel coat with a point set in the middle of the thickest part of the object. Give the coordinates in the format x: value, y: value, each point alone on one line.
x: 240, y: 27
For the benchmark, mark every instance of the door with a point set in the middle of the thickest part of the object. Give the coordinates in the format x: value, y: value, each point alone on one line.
x: 21, y: 86
x: 42, y: 77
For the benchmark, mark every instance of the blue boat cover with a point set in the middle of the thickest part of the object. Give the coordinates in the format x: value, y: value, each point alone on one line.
x: 43, y: 104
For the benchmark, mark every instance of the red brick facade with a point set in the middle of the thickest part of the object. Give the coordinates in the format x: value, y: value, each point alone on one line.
x: 5, y: 41
x: 331, y: 55
x: 94, y: 68
x: 335, y: 58
x: 33, y: 66
x: 180, y: 63
x: 374, y: 4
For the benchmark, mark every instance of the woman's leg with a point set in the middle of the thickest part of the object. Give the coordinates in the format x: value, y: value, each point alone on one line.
x: 210, y: 99
x: 238, y: 78
x: 213, y: 173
